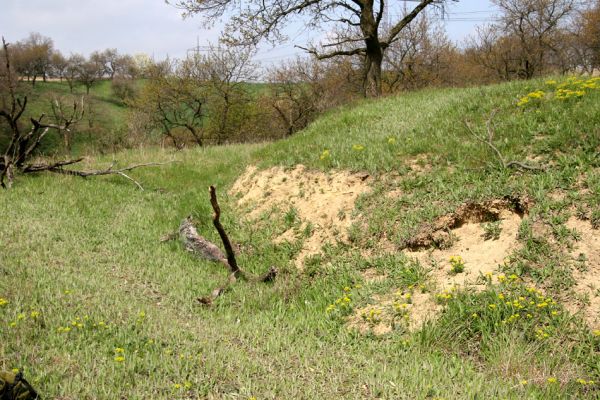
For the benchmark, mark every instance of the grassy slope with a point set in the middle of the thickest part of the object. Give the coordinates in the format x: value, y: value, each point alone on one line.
x: 105, y: 115
x: 86, y: 252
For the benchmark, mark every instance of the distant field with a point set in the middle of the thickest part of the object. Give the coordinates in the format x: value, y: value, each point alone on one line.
x: 94, y: 306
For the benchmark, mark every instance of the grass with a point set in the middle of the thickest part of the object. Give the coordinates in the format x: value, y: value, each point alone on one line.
x: 103, y: 123
x: 96, y: 307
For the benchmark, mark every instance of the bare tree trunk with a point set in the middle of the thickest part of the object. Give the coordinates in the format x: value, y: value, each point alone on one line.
x: 372, y: 82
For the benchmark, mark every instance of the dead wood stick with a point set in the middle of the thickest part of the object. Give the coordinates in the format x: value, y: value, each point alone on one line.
x: 58, y: 169
x: 489, y: 142
x: 233, y: 267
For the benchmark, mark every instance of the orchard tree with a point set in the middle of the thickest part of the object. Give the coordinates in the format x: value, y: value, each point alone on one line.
x: 538, y: 27
x: 223, y: 71
x: 357, y: 25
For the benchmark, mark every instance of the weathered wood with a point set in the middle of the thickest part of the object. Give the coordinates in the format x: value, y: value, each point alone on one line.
x: 231, y: 261
x: 198, y: 245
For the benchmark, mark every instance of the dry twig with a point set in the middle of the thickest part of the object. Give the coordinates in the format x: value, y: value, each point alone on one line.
x: 489, y: 141
x: 58, y: 169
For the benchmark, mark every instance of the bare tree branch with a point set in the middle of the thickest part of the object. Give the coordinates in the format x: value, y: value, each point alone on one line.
x: 488, y: 140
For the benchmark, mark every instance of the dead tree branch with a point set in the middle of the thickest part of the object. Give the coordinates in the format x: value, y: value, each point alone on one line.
x: 222, y: 234
x: 58, y: 169
x: 489, y: 141
x: 207, y: 250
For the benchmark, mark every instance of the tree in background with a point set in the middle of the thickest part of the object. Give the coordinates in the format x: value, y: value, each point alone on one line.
x: 32, y: 57
x: 58, y: 64
x: 528, y: 40
x: 72, y: 71
x: 421, y: 56
x: 591, y: 34
x: 295, y: 93
x: 224, y: 73
x: 90, y: 72
x: 356, y: 26
x: 171, y: 100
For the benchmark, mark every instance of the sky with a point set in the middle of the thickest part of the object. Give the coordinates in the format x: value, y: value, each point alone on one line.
x: 157, y: 29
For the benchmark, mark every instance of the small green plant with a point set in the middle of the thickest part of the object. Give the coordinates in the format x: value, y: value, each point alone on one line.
x: 290, y: 217
x: 457, y: 265
x: 491, y: 230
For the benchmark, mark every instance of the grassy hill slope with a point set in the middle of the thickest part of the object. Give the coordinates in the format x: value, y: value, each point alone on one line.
x: 92, y: 305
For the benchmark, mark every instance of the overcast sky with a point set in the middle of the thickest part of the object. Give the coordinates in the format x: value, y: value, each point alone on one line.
x: 155, y: 28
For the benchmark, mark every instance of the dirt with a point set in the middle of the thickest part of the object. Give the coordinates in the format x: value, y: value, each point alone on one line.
x: 437, y: 233
x: 586, y: 271
x: 323, y: 200
x: 371, y: 275
x: 480, y: 256
x: 419, y: 164
x: 466, y: 239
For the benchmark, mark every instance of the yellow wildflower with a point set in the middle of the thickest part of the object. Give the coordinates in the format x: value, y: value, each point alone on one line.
x: 358, y: 147
x: 551, y: 380
x: 119, y: 359
x: 3, y: 301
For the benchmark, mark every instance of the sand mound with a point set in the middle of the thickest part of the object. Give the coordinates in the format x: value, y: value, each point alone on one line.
x: 465, y: 239
x: 323, y: 200
x: 586, y: 271
x: 480, y: 256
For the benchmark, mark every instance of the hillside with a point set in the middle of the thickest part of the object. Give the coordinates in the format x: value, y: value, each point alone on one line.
x: 412, y: 262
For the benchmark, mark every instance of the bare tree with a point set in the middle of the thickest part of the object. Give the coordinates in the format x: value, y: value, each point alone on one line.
x: 58, y: 64
x: 22, y: 143
x: 419, y: 57
x: 224, y: 71
x: 357, y: 25
x: 62, y: 119
x: 296, y: 92
x: 536, y: 25
x: 32, y: 58
x: 171, y: 100
x: 90, y: 72
x: 73, y: 69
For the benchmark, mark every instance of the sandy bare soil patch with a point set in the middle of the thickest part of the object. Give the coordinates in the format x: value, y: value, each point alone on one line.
x: 465, y: 239
x: 586, y: 271
x: 323, y: 200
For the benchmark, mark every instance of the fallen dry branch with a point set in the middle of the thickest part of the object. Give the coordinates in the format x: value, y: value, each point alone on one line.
x: 200, y: 246
x: 489, y: 141
x: 58, y: 169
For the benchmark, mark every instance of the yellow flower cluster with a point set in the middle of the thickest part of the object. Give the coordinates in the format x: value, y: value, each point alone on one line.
x: 373, y: 316
x: 82, y: 323
x: 584, y: 382
x: 573, y: 87
x: 533, y: 96
x: 325, y: 155
x: 565, y: 94
x: 3, y: 302
x: 457, y: 264
x: 445, y: 295
x: 33, y: 315
x: 358, y: 147
x: 344, y: 302
x: 401, y: 302
x: 119, y: 355
x: 541, y: 334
